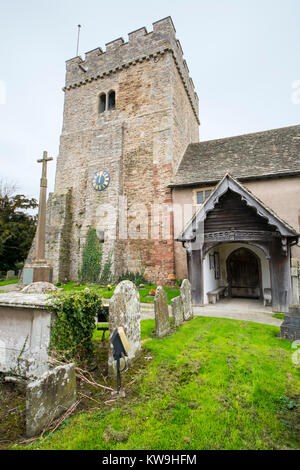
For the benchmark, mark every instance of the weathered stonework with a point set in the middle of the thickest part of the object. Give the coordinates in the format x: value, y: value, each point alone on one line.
x: 162, y: 322
x: 25, y: 334
x: 186, y: 295
x: 140, y: 144
x: 39, y: 288
x: 177, y: 311
x: 48, y: 397
x: 124, y: 310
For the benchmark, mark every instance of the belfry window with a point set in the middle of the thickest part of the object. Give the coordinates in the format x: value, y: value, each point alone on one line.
x: 111, y: 100
x: 102, y: 103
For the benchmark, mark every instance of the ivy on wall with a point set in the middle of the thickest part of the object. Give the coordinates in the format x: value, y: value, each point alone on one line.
x: 106, y: 274
x: 91, y: 258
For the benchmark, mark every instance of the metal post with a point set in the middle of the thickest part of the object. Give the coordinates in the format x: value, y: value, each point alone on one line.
x: 77, y: 49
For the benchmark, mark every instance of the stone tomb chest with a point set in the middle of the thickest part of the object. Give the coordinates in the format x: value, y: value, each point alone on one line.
x: 24, y: 334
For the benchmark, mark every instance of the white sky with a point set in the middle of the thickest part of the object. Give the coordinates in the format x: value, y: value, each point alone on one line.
x: 243, y: 56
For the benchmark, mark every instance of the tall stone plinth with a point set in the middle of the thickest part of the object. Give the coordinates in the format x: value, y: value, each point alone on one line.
x: 37, y: 272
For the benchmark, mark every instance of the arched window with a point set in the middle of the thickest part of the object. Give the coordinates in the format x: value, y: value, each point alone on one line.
x: 111, y: 100
x: 102, y: 103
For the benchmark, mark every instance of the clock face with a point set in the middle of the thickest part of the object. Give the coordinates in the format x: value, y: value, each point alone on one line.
x: 100, y: 180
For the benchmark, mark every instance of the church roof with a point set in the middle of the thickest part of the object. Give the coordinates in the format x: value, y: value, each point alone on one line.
x: 267, y: 154
x: 228, y: 183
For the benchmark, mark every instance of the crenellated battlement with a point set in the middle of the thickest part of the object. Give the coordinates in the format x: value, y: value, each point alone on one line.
x: 141, y: 46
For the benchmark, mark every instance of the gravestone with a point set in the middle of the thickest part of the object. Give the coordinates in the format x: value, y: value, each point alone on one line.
x: 290, y: 328
x: 186, y: 296
x: 10, y: 275
x: 177, y: 311
x: 162, y: 322
x: 48, y: 397
x: 124, y: 310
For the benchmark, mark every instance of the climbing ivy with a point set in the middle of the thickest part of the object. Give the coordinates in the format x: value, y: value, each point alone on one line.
x: 91, y: 258
x: 74, y: 323
x: 106, y: 274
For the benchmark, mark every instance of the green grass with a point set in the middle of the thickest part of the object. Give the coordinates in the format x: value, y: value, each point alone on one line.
x: 212, y: 384
x: 107, y: 294
x: 6, y: 283
x: 280, y: 316
x: 147, y: 329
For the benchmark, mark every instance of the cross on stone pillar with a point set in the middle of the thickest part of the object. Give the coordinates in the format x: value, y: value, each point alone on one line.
x: 39, y: 250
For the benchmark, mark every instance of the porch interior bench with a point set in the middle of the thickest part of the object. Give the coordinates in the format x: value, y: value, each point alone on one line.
x: 215, y: 294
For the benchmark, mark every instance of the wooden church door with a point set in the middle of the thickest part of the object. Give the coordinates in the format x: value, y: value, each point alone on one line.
x: 243, y: 274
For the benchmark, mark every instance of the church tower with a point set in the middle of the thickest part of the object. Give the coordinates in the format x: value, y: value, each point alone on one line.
x: 129, y: 114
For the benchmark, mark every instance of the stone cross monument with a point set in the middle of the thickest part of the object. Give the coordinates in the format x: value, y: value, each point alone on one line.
x: 39, y: 270
x: 39, y: 249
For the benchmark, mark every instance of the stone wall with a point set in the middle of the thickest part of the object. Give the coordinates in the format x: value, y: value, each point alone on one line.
x: 139, y: 143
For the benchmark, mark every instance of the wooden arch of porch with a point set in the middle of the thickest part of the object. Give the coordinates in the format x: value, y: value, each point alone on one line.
x: 232, y: 214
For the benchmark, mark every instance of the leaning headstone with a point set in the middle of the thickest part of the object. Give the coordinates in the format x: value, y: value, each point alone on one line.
x: 124, y: 310
x: 290, y: 328
x: 186, y: 295
x: 162, y: 322
x: 48, y: 397
x: 177, y: 311
x: 10, y: 275
x: 39, y: 288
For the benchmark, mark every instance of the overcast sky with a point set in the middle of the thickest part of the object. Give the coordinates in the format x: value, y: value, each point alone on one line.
x: 243, y: 56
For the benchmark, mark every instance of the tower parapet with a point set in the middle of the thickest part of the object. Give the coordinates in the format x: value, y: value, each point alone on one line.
x: 141, y: 46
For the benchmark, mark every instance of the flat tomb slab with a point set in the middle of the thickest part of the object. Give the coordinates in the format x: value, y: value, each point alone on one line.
x: 24, y: 334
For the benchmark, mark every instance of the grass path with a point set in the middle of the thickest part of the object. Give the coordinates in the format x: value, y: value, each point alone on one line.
x: 213, y: 384
x: 6, y: 283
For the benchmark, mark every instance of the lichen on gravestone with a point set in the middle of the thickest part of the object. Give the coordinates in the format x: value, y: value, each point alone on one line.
x: 124, y: 310
x: 186, y: 296
x: 161, y: 309
x: 177, y: 311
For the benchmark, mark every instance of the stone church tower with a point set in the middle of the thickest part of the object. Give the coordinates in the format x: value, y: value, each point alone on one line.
x: 130, y: 111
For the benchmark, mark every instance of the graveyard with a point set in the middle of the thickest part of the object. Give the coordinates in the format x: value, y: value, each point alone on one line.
x: 193, y: 383
x: 151, y: 300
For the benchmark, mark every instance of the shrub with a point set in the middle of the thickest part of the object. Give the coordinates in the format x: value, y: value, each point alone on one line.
x: 74, y: 324
x: 137, y: 278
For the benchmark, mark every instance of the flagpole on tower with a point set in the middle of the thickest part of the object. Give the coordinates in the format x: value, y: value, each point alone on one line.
x: 78, y: 36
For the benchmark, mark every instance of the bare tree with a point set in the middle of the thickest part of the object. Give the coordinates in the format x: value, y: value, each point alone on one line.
x: 7, y: 188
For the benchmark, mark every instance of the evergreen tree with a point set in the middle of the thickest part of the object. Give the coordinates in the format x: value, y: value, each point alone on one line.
x: 17, y: 228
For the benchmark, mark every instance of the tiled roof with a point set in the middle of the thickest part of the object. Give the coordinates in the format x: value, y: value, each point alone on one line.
x: 264, y: 154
